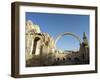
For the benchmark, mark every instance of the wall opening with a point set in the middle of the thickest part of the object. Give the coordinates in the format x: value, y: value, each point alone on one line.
x: 36, y: 46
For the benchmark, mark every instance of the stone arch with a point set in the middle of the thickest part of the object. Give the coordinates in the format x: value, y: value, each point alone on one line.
x: 36, y: 40
x: 68, y: 33
x: 36, y: 43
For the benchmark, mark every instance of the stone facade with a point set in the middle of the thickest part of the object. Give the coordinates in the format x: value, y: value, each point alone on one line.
x: 40, y: 49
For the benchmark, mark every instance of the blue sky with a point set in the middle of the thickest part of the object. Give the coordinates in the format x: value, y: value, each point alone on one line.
x: 54, y: 24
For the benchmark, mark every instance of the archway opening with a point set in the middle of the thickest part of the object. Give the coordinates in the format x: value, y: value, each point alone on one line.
x: 67, y: 44
x: 36, y: 46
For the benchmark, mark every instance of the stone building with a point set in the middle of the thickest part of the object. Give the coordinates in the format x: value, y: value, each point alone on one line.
x: 38, y: 44
x: 40, y: 49
x: 75, y: 57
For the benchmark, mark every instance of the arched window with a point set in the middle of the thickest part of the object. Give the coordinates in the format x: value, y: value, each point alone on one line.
x: 63, y: 59
x: 58, y: 59
x: 68, y: 58
x: 76, y: 59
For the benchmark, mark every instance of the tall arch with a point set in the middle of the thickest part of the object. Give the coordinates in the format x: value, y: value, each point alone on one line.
x: 67, y: 33
x: 37, y: 42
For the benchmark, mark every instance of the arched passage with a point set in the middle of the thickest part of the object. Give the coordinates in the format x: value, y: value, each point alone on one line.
x: 37, y: 42
x: 35, y: 45
x: 67, y: 33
